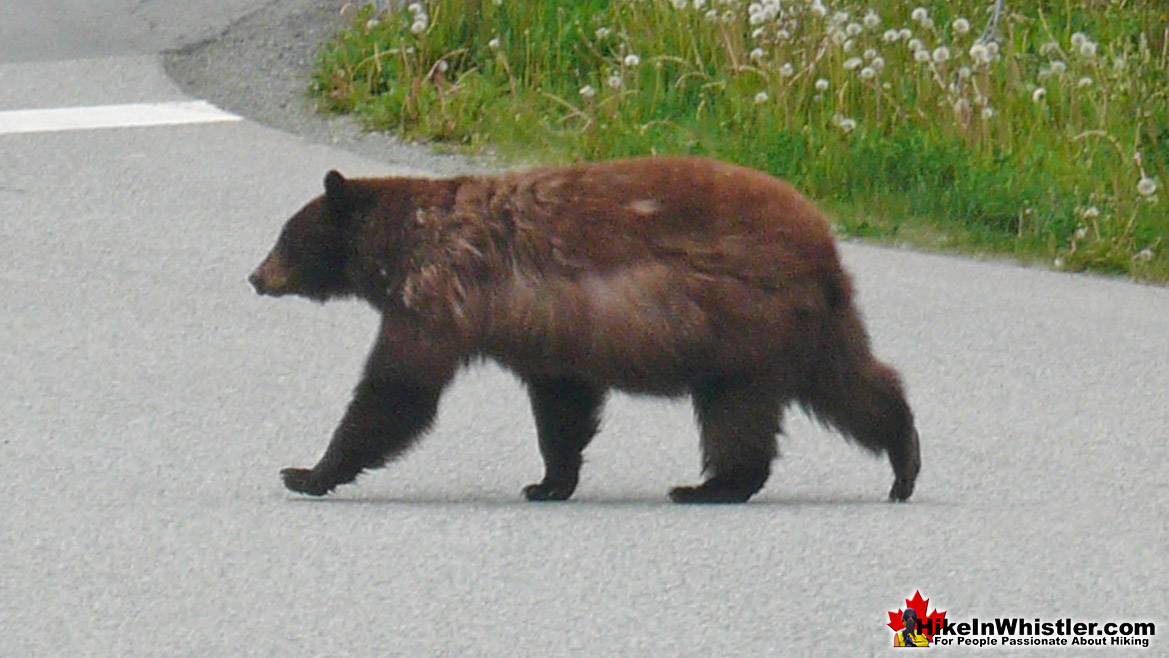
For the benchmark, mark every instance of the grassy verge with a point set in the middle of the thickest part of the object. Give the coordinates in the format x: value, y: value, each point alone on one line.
x: 1048, y: 141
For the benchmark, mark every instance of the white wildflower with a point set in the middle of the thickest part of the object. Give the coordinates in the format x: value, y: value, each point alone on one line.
x: 846, y: 124
x: 961, y: 25
x: 493, y: 44
x: 1081, y: 232
x: 761, y: 97
x: 822, y: 84
x: 602, y: 32
x: 1147, y: 186
x: 980, y: 53
x: 372, y: 23
x: 588, y: 91
x: 632, y: 60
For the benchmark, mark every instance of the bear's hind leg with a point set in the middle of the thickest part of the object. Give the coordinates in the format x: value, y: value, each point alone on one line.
x: 567, y: 417
x: 739, y: 422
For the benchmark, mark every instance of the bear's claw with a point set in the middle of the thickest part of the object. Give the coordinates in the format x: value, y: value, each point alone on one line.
x: 545, y: 492
x: 301, y: 480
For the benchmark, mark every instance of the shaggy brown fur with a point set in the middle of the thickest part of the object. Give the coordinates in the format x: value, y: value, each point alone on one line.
x: 665, y: 276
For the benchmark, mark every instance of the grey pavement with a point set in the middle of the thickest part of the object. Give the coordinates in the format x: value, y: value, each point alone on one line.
x: 150, y: 398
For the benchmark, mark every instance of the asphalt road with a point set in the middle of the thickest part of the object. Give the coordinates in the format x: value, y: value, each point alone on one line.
x: 149, y: 399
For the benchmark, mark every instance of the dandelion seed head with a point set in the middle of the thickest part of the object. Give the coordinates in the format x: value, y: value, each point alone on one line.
x: 758, y: 33
x: 603, y: 32
x: 838, y: 37
x: 710, y: 16
x: 840, y: 17
x: 699, y: 4
x: 1058, y: 67
x: 846, y: 124
x: 853, y: 29
x: 819, y: 10
x: 1044, y: 71
x: 922, y: 55
x: 1078, y: 39
x: 494, y: 43
x: 849, y: 45
x: 761, y: 97
x: 1088, y: 49
x: 1058, y: 263
x: 783, y: 35
x: 890, y: 36
x: 962, y: 106
x: 964, y: 72
x: 787, y: 70
x: 757, y: 19
x: 614, y: 81
x: 1144, y: 255
x: 588, y: 91
x: 414, y: 7
x: 916, y: 44
x: 822, y: 84
x: 372, y: 23
x: 1091, y: 212
x: 878, y: 63
x: 1038, y: 95
x: 993, y: 47
x: 853, y: 63
x: 870, y: 53
x: 871, y: 20
x: 918, y: 15
x: 1048, y: 48
x: 631, y: 60
x: 980, y: 53
x: 987, y: 112
x: 927, y: 23
x: 756, y: 54
x: 1081, y: 233
x: 961, y: 25
x: 679, y: 4
x: 868, y: 73
x: 941, y: 54
x: 418, y: 27
x: 1147, y: 186
x: 904, y: 33
x: 1084, y: 82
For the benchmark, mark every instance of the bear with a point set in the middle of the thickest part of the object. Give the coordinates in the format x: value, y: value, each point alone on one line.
x: 674, y: 276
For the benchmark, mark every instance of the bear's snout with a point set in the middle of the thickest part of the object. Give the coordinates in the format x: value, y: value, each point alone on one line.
x: 268, y: 279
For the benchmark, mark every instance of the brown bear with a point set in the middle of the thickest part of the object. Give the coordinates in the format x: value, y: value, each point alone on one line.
x: 657, y: 275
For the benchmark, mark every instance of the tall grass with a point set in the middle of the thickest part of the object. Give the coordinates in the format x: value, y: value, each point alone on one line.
x: 1048, y: 138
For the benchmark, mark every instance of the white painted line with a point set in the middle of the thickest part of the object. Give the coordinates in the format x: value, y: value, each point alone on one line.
x: 111, y: 116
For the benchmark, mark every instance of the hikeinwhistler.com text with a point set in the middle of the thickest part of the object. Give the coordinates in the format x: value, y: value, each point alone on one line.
x: 1019, y: 632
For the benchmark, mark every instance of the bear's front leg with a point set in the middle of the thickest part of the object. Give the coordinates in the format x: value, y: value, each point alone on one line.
x: 567, y: 417
x: 383, y: 420
x: 392, y: 407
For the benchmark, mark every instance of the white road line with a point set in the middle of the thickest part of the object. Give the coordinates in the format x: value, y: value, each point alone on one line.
x: 111, y: 116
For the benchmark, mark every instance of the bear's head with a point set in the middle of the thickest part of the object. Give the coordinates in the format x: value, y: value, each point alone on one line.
x: 311, y: 257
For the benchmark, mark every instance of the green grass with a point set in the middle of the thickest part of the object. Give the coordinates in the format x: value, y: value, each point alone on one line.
x: 1031, y: 151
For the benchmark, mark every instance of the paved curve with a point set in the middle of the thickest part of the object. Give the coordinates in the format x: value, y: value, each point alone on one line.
x: 149, y: 399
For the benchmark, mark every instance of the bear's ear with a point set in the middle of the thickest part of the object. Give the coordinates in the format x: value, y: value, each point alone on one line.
x: 336, y: 192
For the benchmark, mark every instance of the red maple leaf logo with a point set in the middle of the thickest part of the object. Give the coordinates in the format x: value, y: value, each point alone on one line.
x: 929, y: 623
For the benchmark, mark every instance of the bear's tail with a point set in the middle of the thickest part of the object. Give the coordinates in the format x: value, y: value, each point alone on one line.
x: 862, y: 397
